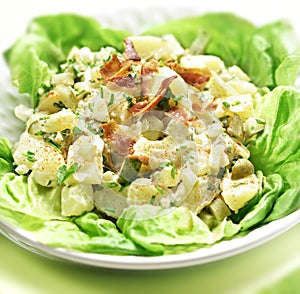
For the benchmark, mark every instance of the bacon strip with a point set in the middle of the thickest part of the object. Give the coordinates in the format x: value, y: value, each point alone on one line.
x: 120, y: 143
x: 130, y: 51
x: 111, y: 67
x: 123, y: 81
x: 149, y: 67
x: 144, y: 106
x: 181, y: 114
x: 147, y: 71
x: 196, y: 77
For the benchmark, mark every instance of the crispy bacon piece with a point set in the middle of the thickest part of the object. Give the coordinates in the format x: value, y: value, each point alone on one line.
x: 116, y: 68
x: 144, y: 106
x: 130, y: 51
x: 196, y: 77
x: 123, y: 82
x: 199, y: 106
x: 119, y: 142
x: 126, y: 68
x: 116, y: 75
x: 111, y: 67
x: 147, y: 71
x: 181, y: 114
x: 138, y: 107
x: 149, y: 67
x: 109, y: 129
x: 122, y: 144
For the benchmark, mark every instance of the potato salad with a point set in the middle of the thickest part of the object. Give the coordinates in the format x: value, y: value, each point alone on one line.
x: 156, y: 124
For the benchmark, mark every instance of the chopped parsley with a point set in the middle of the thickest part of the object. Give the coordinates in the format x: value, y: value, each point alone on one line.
x: 44, y: 117
x: 30, y: 156
x: 54, y: 144
x: 152, y: 200
x: 101, y: 92
x: 46, y: 88
x: 108, y: 58
x: 173, y: 170
x: 64, y: 172
x: 40, y: 133
x: 260, y: 122
x: 226, y: 104
x: 111, y: 185
x: 177, y: 98
x: 59, y: 105
x: 162, y: 63
x: 111, y: 100
x: 236, y: 103
x: 77, y: 131
x: 129, y: 99
x: 98, y: 131
x: 160, y: 191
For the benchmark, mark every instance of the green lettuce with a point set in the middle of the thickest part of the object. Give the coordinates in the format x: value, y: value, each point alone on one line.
x: 88, y: 233
x: 270, y: 54
x: 25, y: 204
x: 37, y: 54
x: 277, y: 149
x: 226, y: 33
x: 21, y: 193
x: 272, y: 188
x: 6, y: 158
x: 158, y: 230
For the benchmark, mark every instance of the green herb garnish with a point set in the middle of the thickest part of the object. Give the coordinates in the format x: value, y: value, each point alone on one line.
x: 160, y: 191
x: 177, y: 98
x: 152, y: 200
x: 55, y: 145
x: 226, y: 104
x: 260, y: 122
x: 173, y: 170
x: 112, y: 185
x: 59, y: 105
x: 111, y: 100
x: 30, y: 156
x: 64, y: 172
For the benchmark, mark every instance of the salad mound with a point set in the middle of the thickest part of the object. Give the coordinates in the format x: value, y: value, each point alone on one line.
x: 156, y: 146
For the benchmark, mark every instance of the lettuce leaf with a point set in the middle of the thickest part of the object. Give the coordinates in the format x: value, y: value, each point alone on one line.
x: 272, y: 188
x: 227, y: 33
x: 157, y: 229
x: 270, y: 54
x: 6, y: 159
x: 277, y: 149
x: 36, y: 209
x: 88, y: 233
x: 23, y: 194
x: 36, y: 55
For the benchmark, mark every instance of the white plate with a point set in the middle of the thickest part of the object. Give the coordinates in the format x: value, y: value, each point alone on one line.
x: 218, y: 251
x: 136, y: 20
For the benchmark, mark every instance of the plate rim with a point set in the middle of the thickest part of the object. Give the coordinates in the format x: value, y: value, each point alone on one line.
x: 218, y: 251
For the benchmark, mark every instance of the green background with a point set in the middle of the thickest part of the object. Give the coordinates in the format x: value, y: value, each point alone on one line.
x: 273, y: 267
